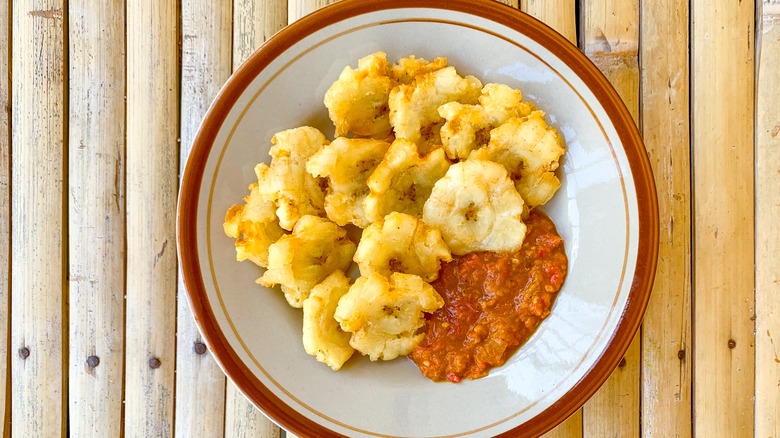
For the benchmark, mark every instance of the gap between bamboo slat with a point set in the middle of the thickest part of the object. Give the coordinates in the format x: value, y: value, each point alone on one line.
x: 206, y: 65
x: 610, y: 38
x: 253, y: 23
x: 37, y: 219
x: 767, y: 409
x: 96, y: 216
x: 560, y: 15
x: 5, y: 221
x: 152, y: 176
x: 723, y: 237
x: 666, y: 330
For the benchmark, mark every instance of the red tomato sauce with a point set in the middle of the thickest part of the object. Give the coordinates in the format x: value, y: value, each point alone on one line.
x: 493, y: 302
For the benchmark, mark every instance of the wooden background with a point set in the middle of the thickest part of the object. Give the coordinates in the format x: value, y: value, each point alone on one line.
x: 99, y: 104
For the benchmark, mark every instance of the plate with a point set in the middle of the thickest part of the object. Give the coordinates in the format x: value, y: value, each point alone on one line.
x: 606, y: 211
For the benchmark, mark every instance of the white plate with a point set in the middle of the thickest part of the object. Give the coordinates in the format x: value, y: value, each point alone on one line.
x: 605, y: 211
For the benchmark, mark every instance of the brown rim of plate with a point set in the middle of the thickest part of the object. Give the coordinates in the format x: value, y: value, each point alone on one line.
x: 647, y: 251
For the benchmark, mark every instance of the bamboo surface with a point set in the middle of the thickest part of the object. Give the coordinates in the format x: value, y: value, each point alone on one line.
x: 100, y: 103
x: 610, y: 38
x: 665, y: 109
x: 767, y: 408
x: 561, y: 15
x: 152, y: 169
x: 722, y: 47
x: 96, y: 219
x: 38, y: 218
x: 253, y: 23
x: 205, y: 66
x: 298, y: 8
x: 5, y: 217
x: 243, y: 420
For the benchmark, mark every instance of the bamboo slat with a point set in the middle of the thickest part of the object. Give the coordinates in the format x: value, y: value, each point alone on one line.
x: 96, y: 216
x: 610, y: 30
x: 723, y: 227
x: 37, y: 217
x: 206, y: 65
x: 253, y: 23
x: 5, y: 221
x: 152, y: 170
x: 666, y: 330
x: 767, y: 414
x: 561, y: 15
x: 243, y: 420
x: 298, y: 8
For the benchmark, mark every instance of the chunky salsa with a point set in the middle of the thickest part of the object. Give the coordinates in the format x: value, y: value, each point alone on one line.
x: 493, y: 302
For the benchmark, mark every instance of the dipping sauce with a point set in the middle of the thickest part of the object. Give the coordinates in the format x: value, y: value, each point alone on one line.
x: 493, y: 302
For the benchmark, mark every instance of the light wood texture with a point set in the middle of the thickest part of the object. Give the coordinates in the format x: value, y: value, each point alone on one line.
x: 206, y: 65
x: 5, y: 220
x: 767, y: 410
x: 614, y: 410
x: 243, y: 420
x: 610, y: 30
x: 571, y: 428
x: 610, y: 38
x: 298, y: 8
x: 38, y: 367
x: 561, y: 15
x: 96, y: 218
x: 152, y: 169
x: 723, y: 246
x: 253, y: 23
x: 666, y: 331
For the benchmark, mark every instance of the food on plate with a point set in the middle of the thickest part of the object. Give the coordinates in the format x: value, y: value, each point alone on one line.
x: 286, y: 182
x: 493, y: 304
x: 384, y: 314
x: 468, y: 127
x: 347, y: 163
x: 322, y: 335
x: 406, y: 69
x: 403, y: 180
x: 254, y: 226
x: 316, y: 248
x: 443, y: 174
x: 401, y: 243
x: 530, y: 151
x: 414, y: 107
x: 476, y: 208
x: 357, y: 101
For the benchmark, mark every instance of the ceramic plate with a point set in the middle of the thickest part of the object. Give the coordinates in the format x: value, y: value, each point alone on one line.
x: 605, y: 210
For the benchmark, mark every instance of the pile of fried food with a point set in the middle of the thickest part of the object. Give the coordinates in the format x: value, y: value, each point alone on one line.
x: 430, y: 164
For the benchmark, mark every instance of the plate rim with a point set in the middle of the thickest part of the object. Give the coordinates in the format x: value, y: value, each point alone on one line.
x: 644, y: 185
